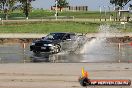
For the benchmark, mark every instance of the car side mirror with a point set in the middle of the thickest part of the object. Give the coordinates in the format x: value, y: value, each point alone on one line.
x: 64, y: 38
x: 43, y: 37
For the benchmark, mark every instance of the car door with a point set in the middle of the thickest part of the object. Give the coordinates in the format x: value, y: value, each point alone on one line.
x: 68, y: 42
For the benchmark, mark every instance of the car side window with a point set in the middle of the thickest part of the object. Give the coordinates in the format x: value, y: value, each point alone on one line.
x: 73, y: 37
x: 66, y: 37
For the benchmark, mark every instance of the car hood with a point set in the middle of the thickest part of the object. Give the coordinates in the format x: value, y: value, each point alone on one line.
x: 47, y: 41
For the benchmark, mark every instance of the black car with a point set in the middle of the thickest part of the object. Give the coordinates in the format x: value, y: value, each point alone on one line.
x: 51, y: 43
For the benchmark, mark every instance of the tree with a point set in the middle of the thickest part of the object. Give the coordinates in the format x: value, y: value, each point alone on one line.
x: 62, y: 3
x: 119, y: 3
x: 26, y: 6
x: 7, y: 6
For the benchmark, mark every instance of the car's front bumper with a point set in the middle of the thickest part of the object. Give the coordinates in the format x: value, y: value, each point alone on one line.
x: 41, y: 48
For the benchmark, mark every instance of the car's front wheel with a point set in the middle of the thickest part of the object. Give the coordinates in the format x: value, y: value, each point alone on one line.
x: 57, y: 49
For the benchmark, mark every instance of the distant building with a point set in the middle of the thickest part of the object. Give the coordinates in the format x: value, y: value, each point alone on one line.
x: 58, y: 8
x: 71, y: 8
x: 78, y: 8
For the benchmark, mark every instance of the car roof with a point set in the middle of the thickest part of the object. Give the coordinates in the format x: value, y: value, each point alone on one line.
x: 63, y: 33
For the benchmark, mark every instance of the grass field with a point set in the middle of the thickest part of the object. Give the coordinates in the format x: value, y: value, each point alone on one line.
x: 71, y: 26
x: 39, y: 14
x: 47, y: 14
x: 46, y: 27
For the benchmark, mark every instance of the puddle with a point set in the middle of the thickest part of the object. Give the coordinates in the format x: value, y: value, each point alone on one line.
x: 15, y: 53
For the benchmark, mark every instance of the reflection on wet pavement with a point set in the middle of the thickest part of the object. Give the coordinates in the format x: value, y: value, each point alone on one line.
x: 15, y: 53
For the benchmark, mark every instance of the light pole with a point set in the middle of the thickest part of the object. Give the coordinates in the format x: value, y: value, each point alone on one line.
x: 26, y: 10
x: 56, y: 2
x: 100, y: 12
x: 114, y: 13
x: 105, y: 12
x: 109, y: 13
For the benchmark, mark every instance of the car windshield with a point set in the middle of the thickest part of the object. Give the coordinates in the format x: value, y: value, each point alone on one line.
x: 54, y: 36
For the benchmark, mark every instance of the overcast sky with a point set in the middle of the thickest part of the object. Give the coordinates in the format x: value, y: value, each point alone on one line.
x: 92, y: 4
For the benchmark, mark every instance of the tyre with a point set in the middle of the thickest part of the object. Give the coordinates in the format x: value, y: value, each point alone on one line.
x: 57, y: 49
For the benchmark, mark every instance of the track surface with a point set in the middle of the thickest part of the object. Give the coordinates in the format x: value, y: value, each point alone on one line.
x: 59, y: 75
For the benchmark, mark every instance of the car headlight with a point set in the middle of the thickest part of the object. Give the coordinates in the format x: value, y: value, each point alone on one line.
x: 48, y: 45
x: 33, y: 44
